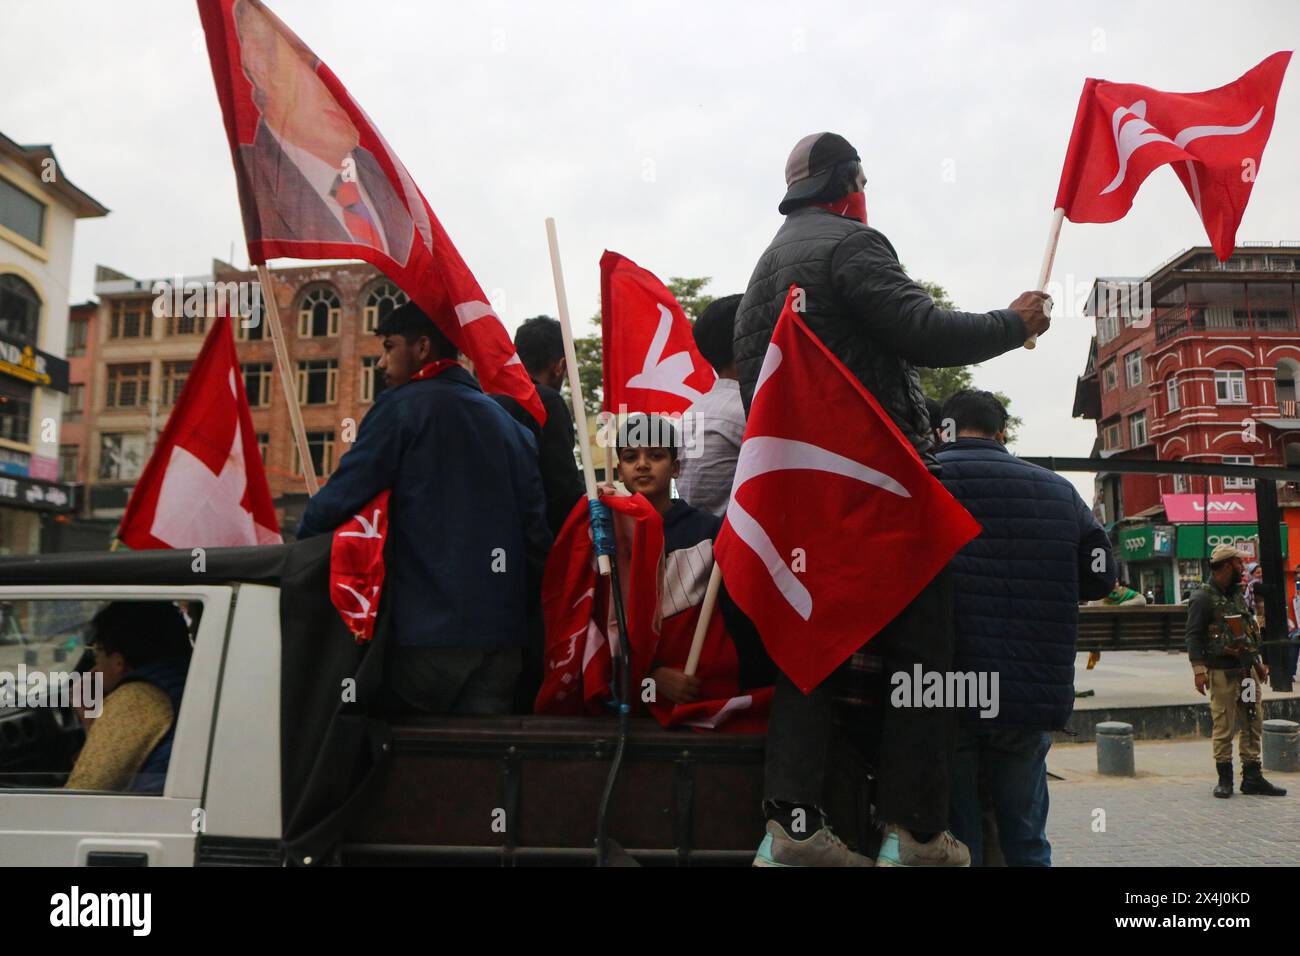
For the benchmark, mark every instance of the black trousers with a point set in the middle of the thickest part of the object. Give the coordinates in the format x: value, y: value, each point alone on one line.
x: 912, y: 746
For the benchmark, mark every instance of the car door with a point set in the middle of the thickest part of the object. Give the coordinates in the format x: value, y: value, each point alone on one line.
x: 42, y: 824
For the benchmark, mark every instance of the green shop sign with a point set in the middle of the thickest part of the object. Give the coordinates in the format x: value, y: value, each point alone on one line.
x: 1149, y: 543
x: 1192, y: 543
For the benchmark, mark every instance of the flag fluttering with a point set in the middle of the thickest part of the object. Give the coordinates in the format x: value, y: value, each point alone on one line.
x: 582, y: 633
x: 834, y: 524
x: 1213, y: 140
x: 649, y: 357
x: 205, y: 485
x: 317, y: 181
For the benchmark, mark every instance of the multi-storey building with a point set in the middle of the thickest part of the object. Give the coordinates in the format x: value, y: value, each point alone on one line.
x: 39, y: 209
x: 1205, y: 369
x: 141, y: 360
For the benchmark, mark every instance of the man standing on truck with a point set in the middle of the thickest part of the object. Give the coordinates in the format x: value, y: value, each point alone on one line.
x: 863, y: 307
x: 1223, y: 645
x: 467, y: 522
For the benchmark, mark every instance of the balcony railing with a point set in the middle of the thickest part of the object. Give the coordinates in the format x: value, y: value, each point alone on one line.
x: 1198, y: 320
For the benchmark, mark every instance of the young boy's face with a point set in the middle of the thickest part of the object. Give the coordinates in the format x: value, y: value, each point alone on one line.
x: 649, y: 471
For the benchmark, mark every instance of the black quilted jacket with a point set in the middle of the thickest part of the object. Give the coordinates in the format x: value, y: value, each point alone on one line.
x: 862, y: 305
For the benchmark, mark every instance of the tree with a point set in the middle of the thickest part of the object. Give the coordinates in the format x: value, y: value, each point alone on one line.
x: 940, y: 383
x: 690, y: 295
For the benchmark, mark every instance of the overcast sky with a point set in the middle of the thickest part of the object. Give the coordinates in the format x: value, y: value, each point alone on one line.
x: 660, y: 130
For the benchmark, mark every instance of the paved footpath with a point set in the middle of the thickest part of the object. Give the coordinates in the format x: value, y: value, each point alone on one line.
x: 1166, y: 816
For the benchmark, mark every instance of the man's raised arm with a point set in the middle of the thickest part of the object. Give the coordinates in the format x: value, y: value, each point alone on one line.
x: 866, y: 274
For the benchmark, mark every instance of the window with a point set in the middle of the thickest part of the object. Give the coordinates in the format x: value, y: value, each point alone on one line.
x: 121, y: 455
x: 320, y: 445
x: 75, y: 404
x: 317, y: 381
x: 257, y: 383
x: 372, y: 379
x: 20, y: 308
x: 49, y: 635
x: 383, y: 298
x: 78, y: 331
x: 1107, y: 328
x: 1230, y: 386
x: 174, y: 376
x: 1111, y: 438
x: 1133, y: 368
x: 131, y: 319
x: 1109, y: 376
x: 1238, y: 482
x: 15, y: 411
x: 318, y: 315
x: 69, y: 463
x: 1171, y: 393
x: 22, y: 213
x: 1137, y: 429
x: 263, y: 445
x: 187, y: 324
x: 127, y: 386
x: 1180, y: 484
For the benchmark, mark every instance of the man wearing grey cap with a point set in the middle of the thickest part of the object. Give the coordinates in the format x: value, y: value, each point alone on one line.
x: 1223, y: 645
x: 880, y: 324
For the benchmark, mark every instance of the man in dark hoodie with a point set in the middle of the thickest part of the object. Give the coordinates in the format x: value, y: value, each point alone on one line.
x: 880, y: 324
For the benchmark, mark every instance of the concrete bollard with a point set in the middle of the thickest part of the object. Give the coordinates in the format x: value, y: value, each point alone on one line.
x: 1115, y: 749
x: 1282, y: 745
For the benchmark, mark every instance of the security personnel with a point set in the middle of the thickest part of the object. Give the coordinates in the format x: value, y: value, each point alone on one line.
x: 1223, y: 643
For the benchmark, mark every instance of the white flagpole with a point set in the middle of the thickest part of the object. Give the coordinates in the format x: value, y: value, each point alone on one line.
x: 575, y: 381
x: 1049, y: 258
x: 287, y: 378
x: 706, y: 615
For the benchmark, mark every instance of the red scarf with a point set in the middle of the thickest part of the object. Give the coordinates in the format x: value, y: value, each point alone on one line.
x: 852, y: 206
x: 357, y: 551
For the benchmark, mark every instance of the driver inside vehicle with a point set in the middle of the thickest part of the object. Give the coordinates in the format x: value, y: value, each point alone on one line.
x: 142, y: 649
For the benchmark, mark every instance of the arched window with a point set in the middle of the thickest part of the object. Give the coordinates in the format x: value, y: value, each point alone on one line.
x: 1285, y: 380
x: 20, y: 309
x: 318, y: 313
x: 383, y: 299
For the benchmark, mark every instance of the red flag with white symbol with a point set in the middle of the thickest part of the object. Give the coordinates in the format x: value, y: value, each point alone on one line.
x: 582, y: 635
x: 1214, y: 141
x: 648, y: 352
x: 317, y: 181
x: 357, y: 566
x: 834, y: 524
x: 204, y: 485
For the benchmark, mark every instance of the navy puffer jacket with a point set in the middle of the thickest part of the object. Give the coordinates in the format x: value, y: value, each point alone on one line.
x: 1017, y: 587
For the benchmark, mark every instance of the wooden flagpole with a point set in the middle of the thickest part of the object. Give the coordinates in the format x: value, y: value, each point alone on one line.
x: 706, y: 615
x: 575, y: 381
x: 1049, y: 258
x: 287, y: 378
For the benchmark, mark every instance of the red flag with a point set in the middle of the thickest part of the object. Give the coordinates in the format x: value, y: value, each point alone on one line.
x: 1214, y: 140
x: 317, y: 181
x: 834, y: 524
x: 582, y: 635
x: 357, y: 566
x: 650, y: 360
x: 204, y: 486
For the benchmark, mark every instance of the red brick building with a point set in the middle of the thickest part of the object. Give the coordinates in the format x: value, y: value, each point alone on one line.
x: 136, y: 364
x: 1198, y: 361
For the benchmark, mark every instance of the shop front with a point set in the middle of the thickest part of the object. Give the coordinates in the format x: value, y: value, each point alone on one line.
x: 1197, y: 541
x: 24, y: 505
x: 1146, y: 555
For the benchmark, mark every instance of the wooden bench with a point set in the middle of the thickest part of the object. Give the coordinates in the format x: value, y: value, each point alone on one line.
x: 1158, y: 627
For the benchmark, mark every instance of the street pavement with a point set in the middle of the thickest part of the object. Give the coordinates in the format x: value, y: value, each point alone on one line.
x: 1165, y: 816
x: 1139, y: 679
